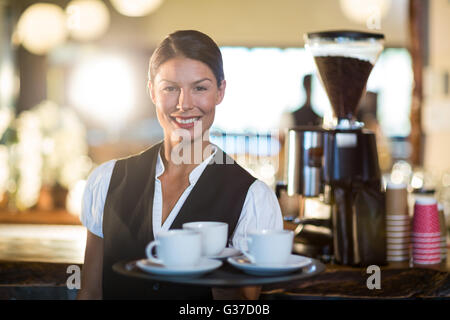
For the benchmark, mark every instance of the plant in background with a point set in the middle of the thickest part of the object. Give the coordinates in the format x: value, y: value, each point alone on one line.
x: 44, y: 149
x: 8, y: 137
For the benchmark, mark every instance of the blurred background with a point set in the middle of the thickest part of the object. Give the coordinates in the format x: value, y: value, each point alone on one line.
x: 73, y: 94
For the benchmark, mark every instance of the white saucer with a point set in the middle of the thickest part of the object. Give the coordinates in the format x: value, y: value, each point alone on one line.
x: 294, y: 263
x: 205, y: 265
x: 226, y: 253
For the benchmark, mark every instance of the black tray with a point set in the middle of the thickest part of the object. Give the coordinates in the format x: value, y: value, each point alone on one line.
x: 225, y: 276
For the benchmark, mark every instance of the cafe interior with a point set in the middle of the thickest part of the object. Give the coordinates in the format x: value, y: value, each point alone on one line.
x: 73, y: 95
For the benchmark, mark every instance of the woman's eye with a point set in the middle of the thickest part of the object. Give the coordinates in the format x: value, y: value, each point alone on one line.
x: 169, y: 89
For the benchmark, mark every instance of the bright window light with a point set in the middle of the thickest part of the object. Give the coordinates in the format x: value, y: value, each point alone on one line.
x: 264, y: 83
x: 102, y: 88
x: 392, y: 78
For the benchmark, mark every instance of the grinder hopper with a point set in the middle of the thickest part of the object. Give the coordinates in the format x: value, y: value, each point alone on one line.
x: 344, y: 60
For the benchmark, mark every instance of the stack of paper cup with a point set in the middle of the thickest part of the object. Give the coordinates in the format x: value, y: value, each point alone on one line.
x: 443, y: 232
x: 426, y: 233
x: 397, y: 223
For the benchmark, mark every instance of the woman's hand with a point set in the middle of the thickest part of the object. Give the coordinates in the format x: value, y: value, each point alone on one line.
x: 92, y: 271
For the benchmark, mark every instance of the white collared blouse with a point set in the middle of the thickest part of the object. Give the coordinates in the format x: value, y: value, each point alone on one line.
x: 261, y: 209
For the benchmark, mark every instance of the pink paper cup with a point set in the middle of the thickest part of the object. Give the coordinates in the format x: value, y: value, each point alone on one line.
x: 426, y: 262
x: 426, y: 217
x: 417, y: 237
x: 426, y: 245
x: 429, y: 251
x: 429, y: 236
x: 427, y: 256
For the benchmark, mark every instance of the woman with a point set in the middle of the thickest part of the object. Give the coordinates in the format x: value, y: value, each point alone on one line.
x: 183, y: 178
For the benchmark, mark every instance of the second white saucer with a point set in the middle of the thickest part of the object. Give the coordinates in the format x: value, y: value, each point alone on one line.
x: 294, y: 263
x: 205, y: 265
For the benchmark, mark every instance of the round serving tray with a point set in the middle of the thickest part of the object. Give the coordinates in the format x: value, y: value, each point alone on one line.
x: 225, y: 276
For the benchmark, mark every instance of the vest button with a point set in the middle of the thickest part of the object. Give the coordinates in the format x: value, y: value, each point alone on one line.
x: 156, y: 286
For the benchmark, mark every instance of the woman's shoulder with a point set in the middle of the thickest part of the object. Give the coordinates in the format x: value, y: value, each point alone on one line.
x: 261, y: 198
x: 261, y: 209
x: 143, y: 155
x: 101, y: 174
x: 94, y: 197
x: 261, y: 189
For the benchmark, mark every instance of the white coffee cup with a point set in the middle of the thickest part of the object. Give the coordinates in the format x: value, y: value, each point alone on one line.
x: 214, y: 235
x: 176, y: 248
x: 269, y: 247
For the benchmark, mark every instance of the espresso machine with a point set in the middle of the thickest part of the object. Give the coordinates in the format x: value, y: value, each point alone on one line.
x: 338, y: 163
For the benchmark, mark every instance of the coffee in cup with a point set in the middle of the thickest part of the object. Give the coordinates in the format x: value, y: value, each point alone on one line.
x: 214, y: 235
x: 176, y: 248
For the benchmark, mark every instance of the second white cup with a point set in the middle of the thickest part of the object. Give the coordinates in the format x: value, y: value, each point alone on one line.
x: 214, y: 235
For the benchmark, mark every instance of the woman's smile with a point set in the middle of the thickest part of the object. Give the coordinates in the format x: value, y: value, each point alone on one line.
x: 186, y: 122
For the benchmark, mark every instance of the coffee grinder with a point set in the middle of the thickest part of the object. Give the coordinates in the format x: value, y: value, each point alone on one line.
x: 340, y: 162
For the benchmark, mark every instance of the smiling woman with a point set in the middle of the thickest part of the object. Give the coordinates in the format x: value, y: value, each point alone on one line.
x: 186, y: 83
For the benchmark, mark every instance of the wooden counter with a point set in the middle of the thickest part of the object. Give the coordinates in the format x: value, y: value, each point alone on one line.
x: 397, y: 281
x: 34, y: 259
x: 58, y: 217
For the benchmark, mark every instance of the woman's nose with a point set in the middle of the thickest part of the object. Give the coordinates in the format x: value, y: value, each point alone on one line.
x: 185, y: 100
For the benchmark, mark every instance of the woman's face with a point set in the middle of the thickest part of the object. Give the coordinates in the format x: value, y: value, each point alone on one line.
x: 185, y: 94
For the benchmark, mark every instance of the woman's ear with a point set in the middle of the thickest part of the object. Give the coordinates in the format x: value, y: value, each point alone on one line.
x: 150, y: 91
x: 221, y: 92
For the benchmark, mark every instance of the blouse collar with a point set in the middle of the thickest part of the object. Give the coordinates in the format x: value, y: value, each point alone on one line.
x: 194, y: 175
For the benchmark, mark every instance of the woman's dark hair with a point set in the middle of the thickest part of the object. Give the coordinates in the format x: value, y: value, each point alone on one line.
x: 191, y: 44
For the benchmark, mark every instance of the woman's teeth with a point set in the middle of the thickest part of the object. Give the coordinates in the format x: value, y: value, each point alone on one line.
x: 185, y: 121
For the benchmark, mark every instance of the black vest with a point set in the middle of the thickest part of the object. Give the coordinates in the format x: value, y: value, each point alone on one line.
x: 218, y: 195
